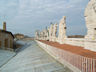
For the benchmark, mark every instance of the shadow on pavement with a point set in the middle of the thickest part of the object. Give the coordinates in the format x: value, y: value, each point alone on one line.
x: 23, y: 47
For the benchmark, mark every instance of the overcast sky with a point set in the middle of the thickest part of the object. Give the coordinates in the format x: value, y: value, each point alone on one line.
x: 26, y: 16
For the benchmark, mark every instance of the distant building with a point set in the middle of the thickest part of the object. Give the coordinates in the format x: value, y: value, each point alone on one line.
x: 19, y: 36
x: 76, y: 36
x: 6, y: 38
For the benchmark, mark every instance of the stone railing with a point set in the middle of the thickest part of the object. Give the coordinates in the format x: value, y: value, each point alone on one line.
x: 75, y: 62
x: 75, y: 41
x: 91, y: 45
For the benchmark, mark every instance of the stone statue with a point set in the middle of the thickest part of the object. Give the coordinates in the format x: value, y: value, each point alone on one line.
x: 62, y: 30
x: 50, y: 32
x: 90, y: 17
x: 37, y: 34
x: 41, y: 35
x: 54, y: 32
x: 45, y: 32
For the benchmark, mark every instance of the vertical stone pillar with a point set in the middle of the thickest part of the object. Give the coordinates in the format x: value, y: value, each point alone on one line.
x: 62, y: 31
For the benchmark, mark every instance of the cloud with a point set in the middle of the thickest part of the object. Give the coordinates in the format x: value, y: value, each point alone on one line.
x: 28, y: 15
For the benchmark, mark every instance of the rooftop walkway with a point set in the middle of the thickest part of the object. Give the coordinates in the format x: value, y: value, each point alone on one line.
x: 33, y: 59
x: 5, y: 56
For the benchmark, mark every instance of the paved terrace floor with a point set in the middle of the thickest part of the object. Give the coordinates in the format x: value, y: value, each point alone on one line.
x: 73, y: 49
x: 33, y: 59
x: 5, y: 56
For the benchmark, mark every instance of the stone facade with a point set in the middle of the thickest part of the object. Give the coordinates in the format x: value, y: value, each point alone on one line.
x: 19, y: 36
x: 6, y: 38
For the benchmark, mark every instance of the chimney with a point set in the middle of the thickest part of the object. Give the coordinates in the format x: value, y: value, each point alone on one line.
x: 4, y: 26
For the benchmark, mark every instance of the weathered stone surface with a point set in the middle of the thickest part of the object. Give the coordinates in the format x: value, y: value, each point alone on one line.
x: 37, y: 34
x: 90, y: 17
x: 51, y: 32
x: 33, y: 59
x: 54, y: 32
x: 45, y: 34
x: 62, y: 30
x: 5, y: 56
x: 48, y: 33
x: 75, y: 41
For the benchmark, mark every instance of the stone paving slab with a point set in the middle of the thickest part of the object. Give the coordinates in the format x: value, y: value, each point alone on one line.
x: 5, y: 56
x: 33, y: 59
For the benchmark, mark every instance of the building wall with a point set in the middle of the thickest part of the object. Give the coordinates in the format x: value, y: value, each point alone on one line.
x: 19, y: 36
x: 6, y: 41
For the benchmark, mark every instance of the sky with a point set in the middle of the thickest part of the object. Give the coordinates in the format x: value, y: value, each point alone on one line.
x: 26, y: 16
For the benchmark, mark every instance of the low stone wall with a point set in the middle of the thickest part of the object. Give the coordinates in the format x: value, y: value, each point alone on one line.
x: 75, y: 62
x: 75, y: 41
x: 82, y: 42
x: 90, y: 45
x: 57, y: 54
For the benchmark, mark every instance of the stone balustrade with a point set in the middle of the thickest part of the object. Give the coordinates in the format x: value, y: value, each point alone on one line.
x: 75, y: 41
